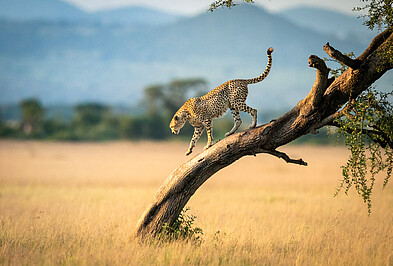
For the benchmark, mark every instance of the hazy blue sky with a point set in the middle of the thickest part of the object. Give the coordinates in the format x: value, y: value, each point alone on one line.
x: 190, y: 7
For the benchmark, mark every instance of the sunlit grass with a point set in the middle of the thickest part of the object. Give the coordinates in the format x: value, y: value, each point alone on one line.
x: 64, y: 203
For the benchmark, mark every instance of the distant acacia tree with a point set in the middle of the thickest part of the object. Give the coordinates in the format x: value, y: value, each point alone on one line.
x: 163, y: 100
x: 90, y: 114
x: 32, y: 116
x: 2, y: 125
x: 168, y: 97
x: 94, y: 121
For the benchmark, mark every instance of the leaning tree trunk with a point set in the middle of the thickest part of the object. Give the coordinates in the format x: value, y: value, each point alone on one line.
x: 320, y: 107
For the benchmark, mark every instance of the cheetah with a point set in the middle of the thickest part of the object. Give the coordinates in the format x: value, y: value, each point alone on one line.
x: 200, y: 111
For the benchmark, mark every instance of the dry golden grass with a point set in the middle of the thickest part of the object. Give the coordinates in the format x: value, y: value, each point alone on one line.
x: 78, y: 203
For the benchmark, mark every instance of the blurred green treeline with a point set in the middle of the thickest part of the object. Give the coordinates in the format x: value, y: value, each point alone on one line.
x: 96, y: 122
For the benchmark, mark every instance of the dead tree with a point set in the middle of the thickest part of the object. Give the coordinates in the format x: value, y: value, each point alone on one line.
x: 326, y: 102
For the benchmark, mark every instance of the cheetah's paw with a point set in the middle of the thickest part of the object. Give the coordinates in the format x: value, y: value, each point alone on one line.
x: 207, y: 147
x: 228, y: 134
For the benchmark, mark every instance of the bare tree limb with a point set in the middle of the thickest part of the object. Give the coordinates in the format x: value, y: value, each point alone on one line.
x: 321, y: 81
x: 333, y: 53
x: 285, y: 157
x: 321, y: 105
x: 312, y: 100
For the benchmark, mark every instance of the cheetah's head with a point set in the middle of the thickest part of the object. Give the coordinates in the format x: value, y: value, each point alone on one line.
x: 178, y: 121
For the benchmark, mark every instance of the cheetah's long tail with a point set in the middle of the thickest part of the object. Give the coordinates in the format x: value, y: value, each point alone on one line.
x: 267, y: 70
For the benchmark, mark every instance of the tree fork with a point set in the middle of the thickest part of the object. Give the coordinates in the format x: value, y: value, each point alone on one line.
x: 318, y: 109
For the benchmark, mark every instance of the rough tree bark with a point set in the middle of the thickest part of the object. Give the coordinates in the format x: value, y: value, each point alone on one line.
x: 319, y: 108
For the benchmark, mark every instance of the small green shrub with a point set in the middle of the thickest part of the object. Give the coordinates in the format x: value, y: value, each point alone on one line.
x: 182, y: 229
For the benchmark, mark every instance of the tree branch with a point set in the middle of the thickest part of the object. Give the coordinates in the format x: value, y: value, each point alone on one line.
x: 310, y: 103
x: 383, y: 135
x: 330, y: 119
x: 284, y: 156
x: 376, y: 43
x: 335, y: 54
x: 321, y: 80
x: 321, y: 105
x: 383, y: 139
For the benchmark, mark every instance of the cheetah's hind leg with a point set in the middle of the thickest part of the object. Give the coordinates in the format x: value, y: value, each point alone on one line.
x: 253, y: 112
x: 238, y: 122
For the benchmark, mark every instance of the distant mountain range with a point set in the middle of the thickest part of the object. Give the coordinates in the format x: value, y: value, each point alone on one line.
x: 69, y: 60
x: 341, y: 26
x: 25, y: 10
x: 49, y: 10
x: 134, y: 16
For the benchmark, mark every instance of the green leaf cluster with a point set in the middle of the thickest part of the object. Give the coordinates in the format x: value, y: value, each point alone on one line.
x: 379, y: 13
x: 225, y: 3
x: 367, y: 130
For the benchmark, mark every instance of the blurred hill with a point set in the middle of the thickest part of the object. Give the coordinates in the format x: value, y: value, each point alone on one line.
x: 339, y: 25
x: 25, y: 10
x: 75, y: 60
x: 57, y: 10
x: 134, y: 16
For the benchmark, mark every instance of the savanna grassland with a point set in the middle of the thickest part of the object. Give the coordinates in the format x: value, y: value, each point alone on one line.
x: 78, y: 203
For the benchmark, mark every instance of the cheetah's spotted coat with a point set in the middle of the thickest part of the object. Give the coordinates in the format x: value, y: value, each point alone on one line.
x: 200, y: 111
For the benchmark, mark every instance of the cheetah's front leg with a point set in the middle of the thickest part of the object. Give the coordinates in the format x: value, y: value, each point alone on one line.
x: 209, y: 131
x: 197, y: 134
